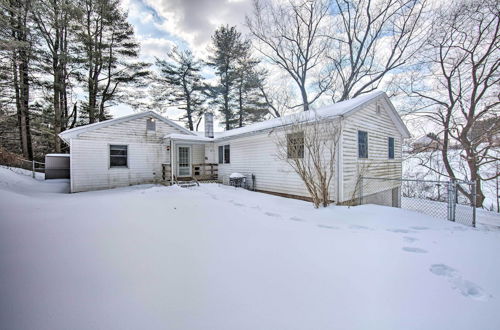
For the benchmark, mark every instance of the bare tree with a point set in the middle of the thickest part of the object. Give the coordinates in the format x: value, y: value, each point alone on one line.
x: 460, y: 86
x: 276, y: 93
x: 370, y: 39
x: 292, y: 35
x: 309, y: 145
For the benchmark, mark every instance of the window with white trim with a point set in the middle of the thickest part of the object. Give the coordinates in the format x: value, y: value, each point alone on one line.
x: 362, y: 144
x: 295, y: 145
x: 221, y: 154
x: 390, y: 146
x: 227, y: 154
x: 118, y: 155
x: 151, y: 125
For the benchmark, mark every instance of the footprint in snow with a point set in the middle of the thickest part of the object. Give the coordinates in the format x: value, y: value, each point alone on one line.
x: 405, y: 231
x: 271, y: 214
x: 465, y: 287
x: 459, y: 228
x: 419, y: 228
x: 410, y: 239
x: 328, y: 227
x: 360, y: 227
x: 236, y: 203
x: 296, y: 219
x: 414, y: 249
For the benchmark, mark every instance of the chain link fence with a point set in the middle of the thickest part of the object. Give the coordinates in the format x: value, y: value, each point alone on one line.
x: 452, y: 200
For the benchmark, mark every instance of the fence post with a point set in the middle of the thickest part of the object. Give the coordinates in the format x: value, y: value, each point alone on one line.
x: 33, y: 168
x: 474, y: 194
x: 451, y: 200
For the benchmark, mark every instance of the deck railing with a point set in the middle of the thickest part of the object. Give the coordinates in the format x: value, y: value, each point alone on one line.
x: 208, y: 171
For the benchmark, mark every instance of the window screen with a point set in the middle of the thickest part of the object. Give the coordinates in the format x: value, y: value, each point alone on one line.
x: 391, y: 148
x: 221, y: 154
x: 295, y: 145
x: 118, y: 156
x: 151, y: 124
x: 362, y: 144
x: 227, y: 154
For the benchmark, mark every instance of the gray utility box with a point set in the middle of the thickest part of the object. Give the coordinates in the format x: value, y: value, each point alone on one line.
x: 57, y: 166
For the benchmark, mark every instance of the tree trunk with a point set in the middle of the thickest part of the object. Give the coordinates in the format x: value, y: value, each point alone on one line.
x: 305, y: 101
x: 20, y: 67
x: 240, y: 99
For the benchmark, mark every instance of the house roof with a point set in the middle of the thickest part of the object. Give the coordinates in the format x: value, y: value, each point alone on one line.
x: 185, y: 137
x: 338, y: 109
x: 74, y: 132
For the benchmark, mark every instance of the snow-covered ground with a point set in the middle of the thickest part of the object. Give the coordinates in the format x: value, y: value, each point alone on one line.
x: 216, y: 257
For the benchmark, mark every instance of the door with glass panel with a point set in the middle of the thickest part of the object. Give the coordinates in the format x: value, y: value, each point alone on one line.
x: 184, y: 161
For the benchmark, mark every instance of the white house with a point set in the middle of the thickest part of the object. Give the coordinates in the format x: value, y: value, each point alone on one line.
x: 148, y: 148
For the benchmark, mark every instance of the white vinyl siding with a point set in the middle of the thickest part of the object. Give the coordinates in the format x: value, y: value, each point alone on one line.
x: 90, y: 165
x: 257, y: 154
x: 146, y: 152
x: 134, y: 130
x: 379, y: 127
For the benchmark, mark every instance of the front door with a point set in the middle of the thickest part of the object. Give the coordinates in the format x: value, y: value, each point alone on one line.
x: 184, y: 161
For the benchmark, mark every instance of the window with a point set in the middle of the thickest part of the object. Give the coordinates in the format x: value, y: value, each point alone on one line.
x: 362, y: 144
x: 221, y: 154
x: 227, y: 154
x: 224, y: 154
x: 295, y: 145
x: 118, y: 156
x: 151, y: 124
x: 391, y: 148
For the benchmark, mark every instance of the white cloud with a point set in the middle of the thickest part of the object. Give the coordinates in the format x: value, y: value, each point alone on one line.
x: 155, y: 47
x: 195, y: 21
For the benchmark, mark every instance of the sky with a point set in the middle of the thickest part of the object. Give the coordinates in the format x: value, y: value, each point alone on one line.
x: 161, y: 24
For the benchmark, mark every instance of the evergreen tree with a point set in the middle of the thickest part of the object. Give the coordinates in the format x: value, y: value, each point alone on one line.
x: 227, y: 48
x: 54, y: 20
x: 110, y: 56
x: 251, y: 104
x: 16, y: 49
x: 181, y: 84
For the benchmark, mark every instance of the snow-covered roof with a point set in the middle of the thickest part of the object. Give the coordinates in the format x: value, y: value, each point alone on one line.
x: 71, y: 133
x: 57, y: 155
x: 338, y: 109
x: 185, y: 137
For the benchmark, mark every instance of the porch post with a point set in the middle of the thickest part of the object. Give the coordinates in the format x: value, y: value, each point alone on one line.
x: 172, y: 161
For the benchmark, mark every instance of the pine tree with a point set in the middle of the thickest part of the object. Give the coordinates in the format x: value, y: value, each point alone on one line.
x: 251, y: 104
x: 110, y: 56
x: 181, y: 84
x: 54, y: 20
x: 227, y: 48
x: 17, y: 47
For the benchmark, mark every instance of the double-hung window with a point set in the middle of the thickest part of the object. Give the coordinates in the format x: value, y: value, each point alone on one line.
x: 391, y: 147
x: 118, y: 155
x: 362, y: 144
x: 227, y: 154
x: 295, y: 145
x: 151, y: 125
x: 221, y: 154
x: 224, y: 154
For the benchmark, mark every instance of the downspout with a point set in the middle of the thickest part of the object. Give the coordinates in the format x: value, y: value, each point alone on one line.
x: 171, y: 162
x: 340, y: 160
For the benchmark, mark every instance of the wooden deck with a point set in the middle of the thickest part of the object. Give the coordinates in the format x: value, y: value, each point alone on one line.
x: 203, y: 173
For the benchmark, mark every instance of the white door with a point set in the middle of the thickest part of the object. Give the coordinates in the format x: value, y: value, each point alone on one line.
x: 184, y: 161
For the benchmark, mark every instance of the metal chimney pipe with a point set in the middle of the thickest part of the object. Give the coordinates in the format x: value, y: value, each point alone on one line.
x: 209, y: 124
